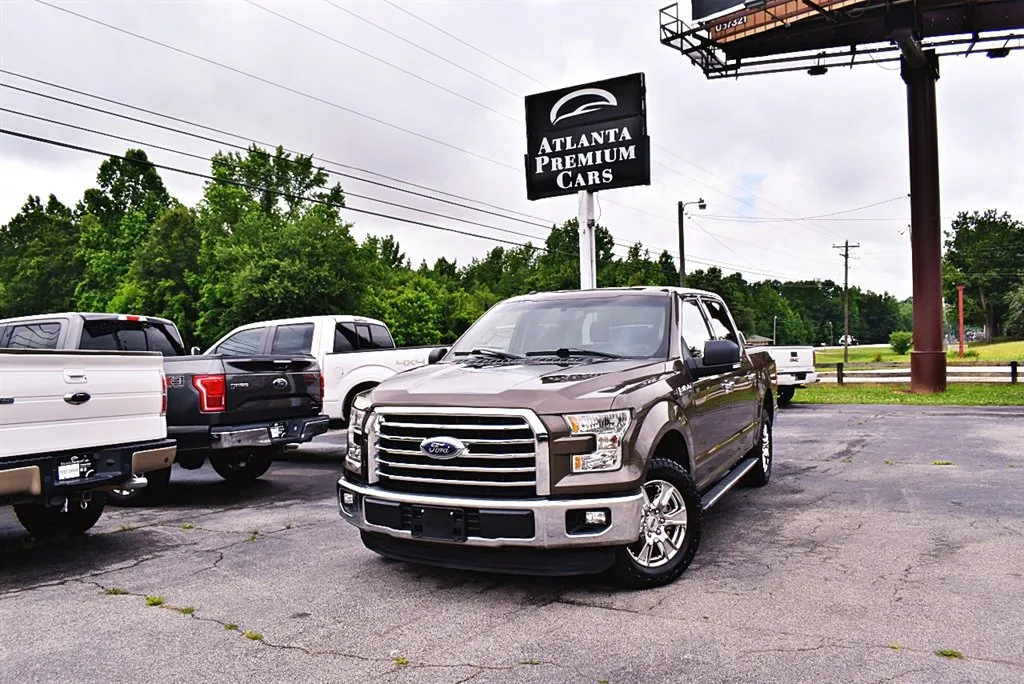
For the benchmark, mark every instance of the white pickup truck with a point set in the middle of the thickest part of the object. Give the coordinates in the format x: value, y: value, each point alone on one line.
x: 795, y: 368
x: 355, y: 353
x: 73, y: 426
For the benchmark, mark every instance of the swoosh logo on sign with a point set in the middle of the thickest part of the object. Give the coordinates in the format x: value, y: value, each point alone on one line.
x: 587, y: 105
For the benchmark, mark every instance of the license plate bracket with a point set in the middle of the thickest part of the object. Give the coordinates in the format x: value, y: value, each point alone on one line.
x: 74, y: 468
x: 443, y: 524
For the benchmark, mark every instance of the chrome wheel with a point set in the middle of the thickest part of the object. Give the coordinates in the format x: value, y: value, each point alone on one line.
x: 662, y: 525
x: 766, y: 446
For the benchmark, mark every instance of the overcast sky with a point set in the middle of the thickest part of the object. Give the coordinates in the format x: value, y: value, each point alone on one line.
x: 776, y: 147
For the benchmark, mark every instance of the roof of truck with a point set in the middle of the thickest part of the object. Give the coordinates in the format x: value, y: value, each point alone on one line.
x: 87, y: 315
x: 612, y: 291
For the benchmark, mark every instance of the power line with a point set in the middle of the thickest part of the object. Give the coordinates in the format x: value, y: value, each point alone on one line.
x: 239, y: 147
x: 249, y: 186
x: 469, y: 45
x: 381, y: 60
x: 280, y: 86
x: 420, y: 47
x: 546, y: 223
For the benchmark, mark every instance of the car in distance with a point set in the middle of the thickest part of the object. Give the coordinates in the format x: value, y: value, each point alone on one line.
x: 566, y: 432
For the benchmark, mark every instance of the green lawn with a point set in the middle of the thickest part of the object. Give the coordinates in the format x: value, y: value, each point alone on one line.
x: 956, y: 395
x: 1000, y: 352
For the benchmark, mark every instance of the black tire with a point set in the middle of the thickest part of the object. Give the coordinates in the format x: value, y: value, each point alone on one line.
x: 786, y: 395
x: 159, y: 481
x: 241, y: 466
x: 761, y: 473
x: 51, y: 522
x: 629, y: 570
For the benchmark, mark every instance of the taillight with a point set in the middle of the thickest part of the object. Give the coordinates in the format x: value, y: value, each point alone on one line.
x: 163, y: 393
x: 321, y: 388
x: 212, y: 392
x: 318, y: 378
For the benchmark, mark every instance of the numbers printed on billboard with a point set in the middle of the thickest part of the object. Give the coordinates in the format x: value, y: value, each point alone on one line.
x: 587, y: 137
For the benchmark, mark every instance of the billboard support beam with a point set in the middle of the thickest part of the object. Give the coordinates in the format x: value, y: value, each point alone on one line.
x: 588, y: 256
x: 928, y: 358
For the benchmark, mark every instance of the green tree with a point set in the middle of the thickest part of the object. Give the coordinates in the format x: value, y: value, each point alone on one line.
x: 411, y: 309
x: 116, y: 218
x: 900, y: 342
x: 1015, y: 311
x: 39, y: 264
x: 164, y: 277
x: 985, y: 251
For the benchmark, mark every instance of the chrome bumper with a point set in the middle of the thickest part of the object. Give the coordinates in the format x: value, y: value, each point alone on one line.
x: 549, y: 517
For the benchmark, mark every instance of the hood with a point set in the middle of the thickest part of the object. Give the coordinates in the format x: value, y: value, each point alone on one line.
x: 547, y: 388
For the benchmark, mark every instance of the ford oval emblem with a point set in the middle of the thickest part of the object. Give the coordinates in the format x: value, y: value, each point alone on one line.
x: 280, y: 383
x: 442, y: 448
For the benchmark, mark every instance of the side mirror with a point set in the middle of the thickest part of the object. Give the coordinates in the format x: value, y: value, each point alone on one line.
x: 436, y: 355
x: 721, y: 353
x: 196, y: 351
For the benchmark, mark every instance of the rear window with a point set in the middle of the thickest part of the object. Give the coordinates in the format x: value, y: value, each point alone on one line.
x: 293, y: 339
x: 114, y: 335
x: 34, y: 336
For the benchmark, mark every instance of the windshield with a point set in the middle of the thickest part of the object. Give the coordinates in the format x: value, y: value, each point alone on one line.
x: 629, y: 326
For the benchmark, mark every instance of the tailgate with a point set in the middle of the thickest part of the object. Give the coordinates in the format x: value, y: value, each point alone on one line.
x: 265, y: 388
x: 64, y: 401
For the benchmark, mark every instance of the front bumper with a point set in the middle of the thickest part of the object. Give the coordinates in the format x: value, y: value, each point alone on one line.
x: 554, y: 521
x: 69, y: 473
x: 250, y: 435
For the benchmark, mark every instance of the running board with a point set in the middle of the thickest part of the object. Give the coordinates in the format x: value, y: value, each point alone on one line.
x: 728, y: 482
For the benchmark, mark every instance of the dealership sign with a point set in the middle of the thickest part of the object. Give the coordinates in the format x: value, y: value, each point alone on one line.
x: 589, y: 137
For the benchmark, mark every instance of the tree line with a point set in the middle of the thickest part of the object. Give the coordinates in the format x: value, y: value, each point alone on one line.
x: 267, y: 240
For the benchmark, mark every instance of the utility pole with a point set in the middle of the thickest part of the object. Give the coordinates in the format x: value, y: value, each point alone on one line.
x: 701, y: 204
x: 588, y: 265
x: 846, y: 247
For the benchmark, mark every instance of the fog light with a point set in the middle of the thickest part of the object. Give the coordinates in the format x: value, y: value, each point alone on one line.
x: 349, y: 499
x: 596, y: 518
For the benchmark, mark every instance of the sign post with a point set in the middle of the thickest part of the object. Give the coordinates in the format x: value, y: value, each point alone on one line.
x: 584, y: 139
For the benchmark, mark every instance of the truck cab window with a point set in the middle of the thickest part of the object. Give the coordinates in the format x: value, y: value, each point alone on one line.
x: 115, y: 335
x: 694, y: 327
x: 242, y: 343
x: 293, y: 339
x: 381, y: 338
x: 34, y: 336
x: 345, y: 339
x: 721, y: 326
x: 363, y: 332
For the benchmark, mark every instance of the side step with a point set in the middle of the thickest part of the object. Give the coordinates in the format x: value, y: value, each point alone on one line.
x: 728, y: 482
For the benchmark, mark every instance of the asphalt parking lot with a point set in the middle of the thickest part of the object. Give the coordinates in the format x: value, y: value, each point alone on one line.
x: 857, y: 563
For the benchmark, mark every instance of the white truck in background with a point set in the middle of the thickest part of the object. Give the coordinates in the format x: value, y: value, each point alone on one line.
x: 795, y: 368
x: 73, y: 426
x: 355, y: 353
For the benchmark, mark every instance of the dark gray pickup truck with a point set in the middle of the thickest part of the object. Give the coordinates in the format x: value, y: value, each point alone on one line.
x: 564, y: 433
x: 238, y: 412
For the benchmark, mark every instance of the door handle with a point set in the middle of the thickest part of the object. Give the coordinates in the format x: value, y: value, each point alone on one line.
x: 75, y: 376
x: 77, y: 398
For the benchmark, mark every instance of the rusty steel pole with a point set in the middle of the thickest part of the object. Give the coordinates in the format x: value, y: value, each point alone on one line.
x: 928, y: 358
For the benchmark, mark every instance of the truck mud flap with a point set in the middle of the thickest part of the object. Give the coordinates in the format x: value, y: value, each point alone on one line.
x: 727, y: 482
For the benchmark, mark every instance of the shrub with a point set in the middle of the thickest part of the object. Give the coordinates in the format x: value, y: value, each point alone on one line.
x: 900, y: 342
x: 954, y: 354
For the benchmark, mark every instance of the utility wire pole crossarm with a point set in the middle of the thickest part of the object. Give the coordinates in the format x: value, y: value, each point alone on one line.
x: 846, y: 247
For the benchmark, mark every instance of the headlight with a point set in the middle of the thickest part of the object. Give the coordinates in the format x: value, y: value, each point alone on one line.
x: 609, y: 429
x: 356, y: 415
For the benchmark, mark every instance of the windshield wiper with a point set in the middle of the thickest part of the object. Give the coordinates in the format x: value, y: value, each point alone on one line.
x: 485, y: 351
x: 566, y: 352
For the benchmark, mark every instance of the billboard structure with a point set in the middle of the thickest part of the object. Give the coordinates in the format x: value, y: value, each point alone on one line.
x: 770, y: 36
x: 583, y: 139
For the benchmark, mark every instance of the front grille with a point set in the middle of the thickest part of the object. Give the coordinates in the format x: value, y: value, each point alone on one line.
x: 500, y: 460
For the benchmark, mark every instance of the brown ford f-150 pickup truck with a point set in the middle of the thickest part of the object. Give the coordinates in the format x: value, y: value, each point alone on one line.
x: 567, y: 432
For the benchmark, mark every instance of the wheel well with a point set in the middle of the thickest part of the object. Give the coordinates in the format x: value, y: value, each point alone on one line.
x: 361, y: 387
x: 673, y: 448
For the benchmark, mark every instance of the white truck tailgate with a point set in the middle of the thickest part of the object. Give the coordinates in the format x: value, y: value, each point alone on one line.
x: 60, y: 401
